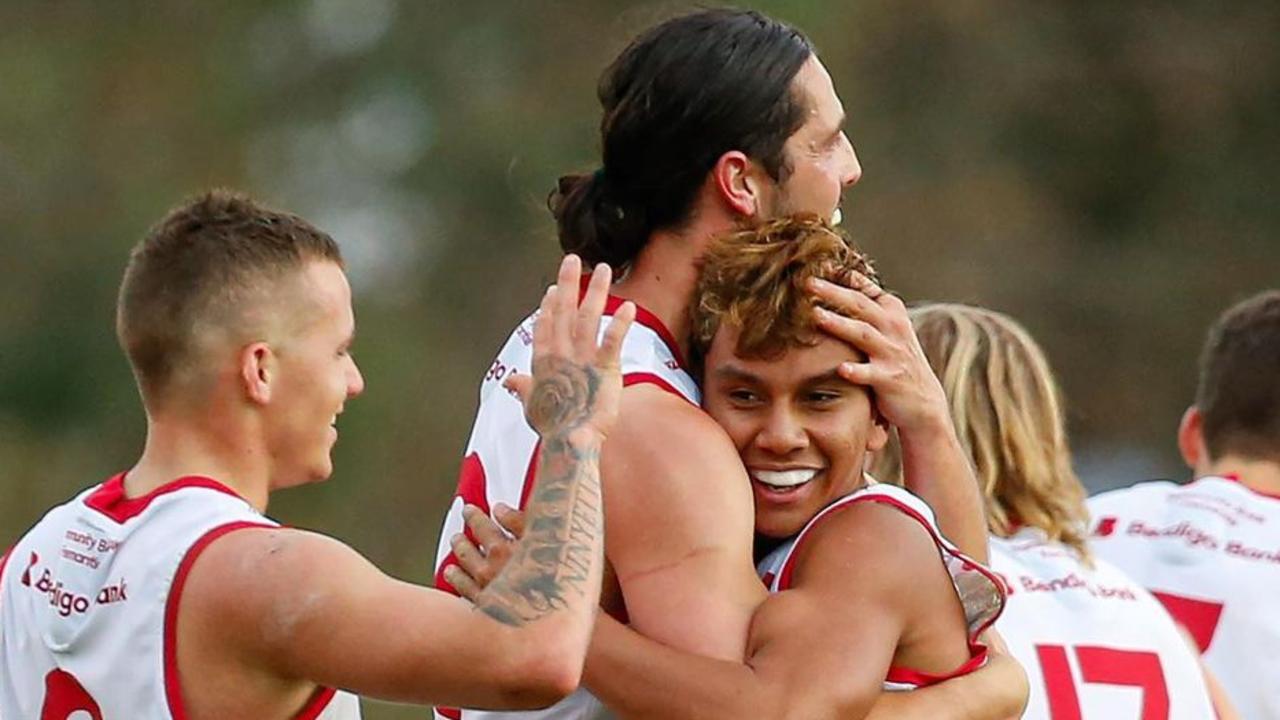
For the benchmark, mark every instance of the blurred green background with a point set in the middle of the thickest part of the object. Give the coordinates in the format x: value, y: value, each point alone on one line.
x: 1105, y: 172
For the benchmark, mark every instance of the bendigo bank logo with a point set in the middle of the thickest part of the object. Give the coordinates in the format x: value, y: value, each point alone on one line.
x: 66, y: 601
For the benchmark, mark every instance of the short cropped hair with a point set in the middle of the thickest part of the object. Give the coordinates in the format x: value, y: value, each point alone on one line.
x: 204, y: 266
x: 1007, y: 409
x: 1239, y: 389
x: 755, y: 279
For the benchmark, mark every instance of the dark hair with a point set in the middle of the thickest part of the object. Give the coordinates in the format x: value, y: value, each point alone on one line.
x: 199, y: 268
x: 1239, y: 390
x: 678, y: 97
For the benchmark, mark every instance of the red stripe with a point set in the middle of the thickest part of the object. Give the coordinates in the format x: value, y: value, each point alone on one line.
x: 4, y: 560
x: 645, y: 378
x: 109, y: 499
x: 448, y: 712
x: 977, y: 651
x: 172, y: 680
x: 318, y: 703
x: 530, y: 473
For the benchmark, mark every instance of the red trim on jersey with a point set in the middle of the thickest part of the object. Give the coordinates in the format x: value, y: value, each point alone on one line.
x: 473, y: 489
x: 1235, y: 478
x: 318, y: 703
x: 977, y: 651
x: 451, y: 713
x: 645, y: 378
x: 172, y: 682
x: 109, y: 498
x: 530, y: 473
x: 4, y: 561
x: 643, y: 316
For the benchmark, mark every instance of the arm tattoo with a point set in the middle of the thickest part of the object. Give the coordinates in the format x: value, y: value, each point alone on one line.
x: 562, y: 540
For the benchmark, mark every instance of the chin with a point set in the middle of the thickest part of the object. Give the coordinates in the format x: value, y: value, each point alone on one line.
x: 778, y: 528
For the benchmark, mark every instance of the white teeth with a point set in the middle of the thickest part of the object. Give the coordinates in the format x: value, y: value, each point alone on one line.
x: 836, y: 217
x: 784, y: 478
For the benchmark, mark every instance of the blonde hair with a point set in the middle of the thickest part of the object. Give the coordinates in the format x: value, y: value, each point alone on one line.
x: 754, y: 280
x: 1007, y: 410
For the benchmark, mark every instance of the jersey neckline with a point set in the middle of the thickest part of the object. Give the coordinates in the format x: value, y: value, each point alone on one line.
x: 1235, y: 478
x: 110, y: 500
x: 643, y: 316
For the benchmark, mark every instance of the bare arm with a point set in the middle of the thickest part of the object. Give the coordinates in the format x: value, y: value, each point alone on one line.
x: 910, y: 397
x: 298, y: 605
x: 681, y: 525
x: 818, y: 651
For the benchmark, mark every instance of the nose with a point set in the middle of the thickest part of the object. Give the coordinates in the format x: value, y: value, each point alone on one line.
x: 355, y: 381
x: 782, y: 433
x: 852, y: 169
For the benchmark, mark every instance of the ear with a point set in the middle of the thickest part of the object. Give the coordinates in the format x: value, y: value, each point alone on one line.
x: 1191, y: 438
x: 740, y: 183
x: 257, y: 372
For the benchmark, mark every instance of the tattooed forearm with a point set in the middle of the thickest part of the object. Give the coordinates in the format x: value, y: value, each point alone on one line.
x: 562, y: 543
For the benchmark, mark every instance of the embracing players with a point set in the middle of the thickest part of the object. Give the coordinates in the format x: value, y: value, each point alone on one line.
x: 712, y: 121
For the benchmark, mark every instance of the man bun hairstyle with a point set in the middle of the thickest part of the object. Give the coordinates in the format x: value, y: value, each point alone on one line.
x: 678, y: 97
x: 208, y: 264
x: 1239, y: 389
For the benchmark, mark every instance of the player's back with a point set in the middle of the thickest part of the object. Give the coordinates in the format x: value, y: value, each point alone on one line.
x: 1210, y: 551
x: 502, y: 455
x: 1093, y: 642
x: 89, y: 600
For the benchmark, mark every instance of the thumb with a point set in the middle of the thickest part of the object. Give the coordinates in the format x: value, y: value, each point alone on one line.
x: 520, y: 384
x: 509, y: 518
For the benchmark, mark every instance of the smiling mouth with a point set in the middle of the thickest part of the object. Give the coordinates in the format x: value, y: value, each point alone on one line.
x: 836, y: 216
x: 784, y: 481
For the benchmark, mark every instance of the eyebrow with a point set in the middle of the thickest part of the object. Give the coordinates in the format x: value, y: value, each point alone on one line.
x: 729, y: 372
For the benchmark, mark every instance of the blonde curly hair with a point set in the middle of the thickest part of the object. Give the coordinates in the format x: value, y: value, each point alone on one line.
x: 1007, y: 409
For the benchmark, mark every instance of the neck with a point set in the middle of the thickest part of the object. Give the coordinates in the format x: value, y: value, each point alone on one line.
x: 664, y: 276
x: 177, y: 448
x: 1262, y: 476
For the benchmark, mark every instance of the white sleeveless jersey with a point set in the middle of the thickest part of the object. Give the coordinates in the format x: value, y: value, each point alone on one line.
x: 1093, y: 642
x: 502, y: 456
x: 981, y: 593
x: 89, y: 599
x: 1210, y: 551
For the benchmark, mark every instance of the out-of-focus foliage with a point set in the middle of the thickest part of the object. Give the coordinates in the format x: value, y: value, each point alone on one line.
x: 1103, y: 171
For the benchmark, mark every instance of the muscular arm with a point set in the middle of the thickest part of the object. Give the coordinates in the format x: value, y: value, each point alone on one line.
x: 818, y: 651
x: 286, y: 605
x: 936, y: 468
x: 681, y: 525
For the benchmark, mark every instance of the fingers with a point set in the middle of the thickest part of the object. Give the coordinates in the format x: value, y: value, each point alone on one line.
x: 543, y: 330
x: 469, y: 556
x: 588, y: 322
x: 610, y: 352
x: 863, y: 373
x: 859, y: 333
x: 462, y: 582
x: 566, y: 303
x: 510, y: 519
x: 483, y: 529
x: 851, y: 300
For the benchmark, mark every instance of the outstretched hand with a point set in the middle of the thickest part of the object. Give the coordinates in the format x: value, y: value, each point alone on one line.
x: 576, y: 383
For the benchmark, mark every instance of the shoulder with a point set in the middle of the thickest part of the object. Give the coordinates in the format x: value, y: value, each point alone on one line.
x: 253, y: 573
x: 651, y: 419
x: 1133, y: 495
x: 866, y: 543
